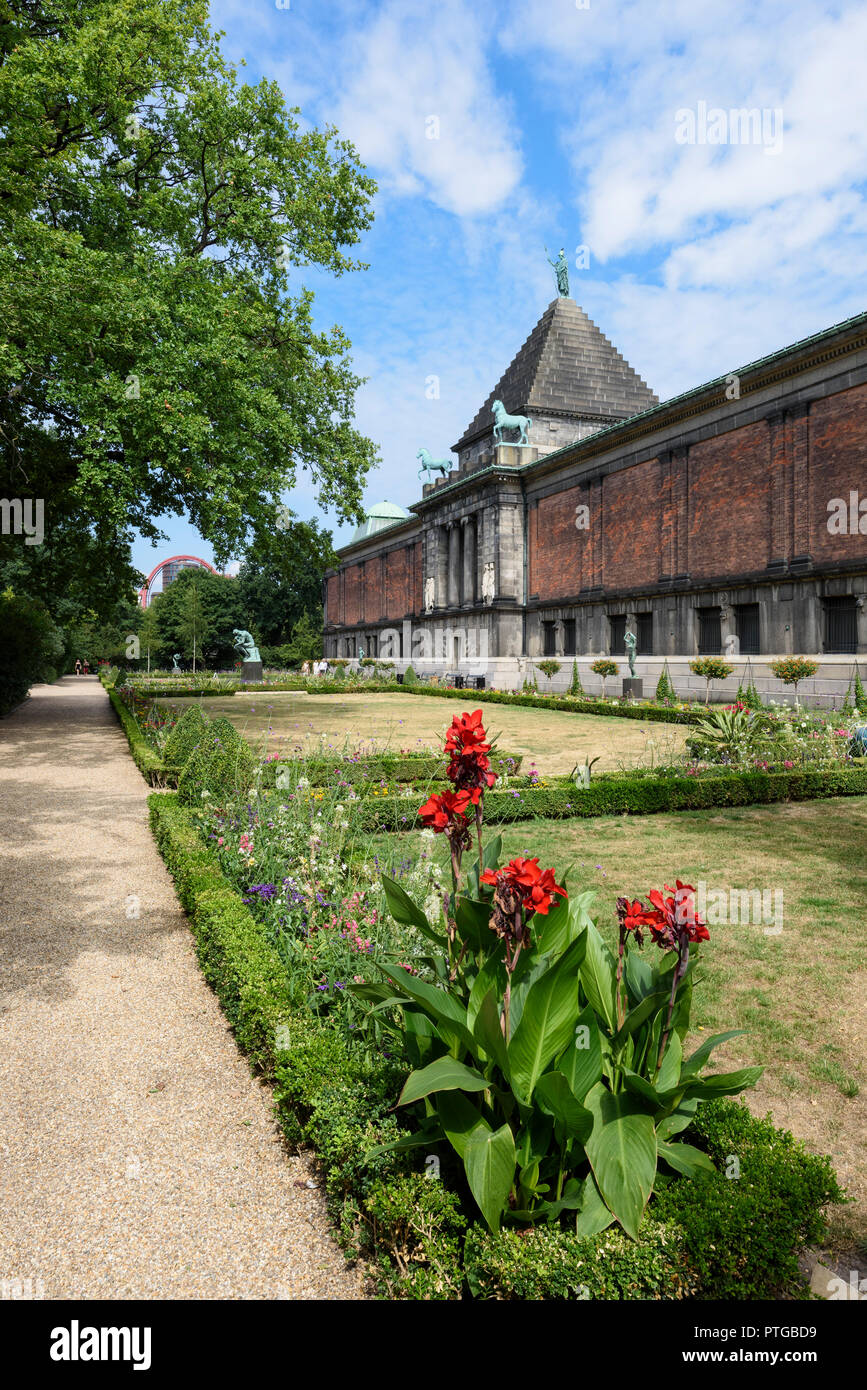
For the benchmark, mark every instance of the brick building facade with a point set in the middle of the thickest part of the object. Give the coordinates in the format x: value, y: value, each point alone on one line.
x: 730, y: 520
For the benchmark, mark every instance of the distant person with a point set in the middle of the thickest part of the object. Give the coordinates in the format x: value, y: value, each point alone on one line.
x: 77, y: 667
x: 305, y: 669
x: 86, y: 668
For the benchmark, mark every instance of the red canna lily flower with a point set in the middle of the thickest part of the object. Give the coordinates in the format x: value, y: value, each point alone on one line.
x: 440, y: 813
x: 534, y: 888
x: 467, y: 732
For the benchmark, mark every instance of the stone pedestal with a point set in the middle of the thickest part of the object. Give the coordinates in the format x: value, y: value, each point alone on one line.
x: 251, y: 670
x: 633, y: 688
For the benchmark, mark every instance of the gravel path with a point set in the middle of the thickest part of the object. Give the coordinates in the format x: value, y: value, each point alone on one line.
x: 138, y: 1158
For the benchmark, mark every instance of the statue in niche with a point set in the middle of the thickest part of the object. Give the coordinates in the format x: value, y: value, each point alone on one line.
x: 488, y: 583
x: 429, y: 593
x: 561, y: 271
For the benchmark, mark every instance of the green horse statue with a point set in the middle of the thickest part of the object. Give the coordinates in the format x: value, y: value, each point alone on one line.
x: 431, y: 465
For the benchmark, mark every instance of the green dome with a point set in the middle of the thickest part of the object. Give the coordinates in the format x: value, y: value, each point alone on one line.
x: 379, y: 517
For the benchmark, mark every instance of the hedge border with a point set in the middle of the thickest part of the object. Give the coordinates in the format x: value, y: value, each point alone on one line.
x: 148, y: 762
x: 410, y: 1226
x: 636, y: 796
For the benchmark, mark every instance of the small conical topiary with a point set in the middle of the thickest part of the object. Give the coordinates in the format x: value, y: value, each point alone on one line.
x: 184, y: 737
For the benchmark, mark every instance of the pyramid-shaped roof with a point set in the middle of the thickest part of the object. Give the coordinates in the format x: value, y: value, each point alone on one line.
x: 567, y: 366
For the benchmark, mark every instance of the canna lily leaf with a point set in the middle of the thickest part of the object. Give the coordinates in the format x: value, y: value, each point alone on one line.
x: 639, y: 1015
x: 547, y: 1021
x: 553, y: 1095
x: 459, y: 1119
x: 445, y: 1074
x: 488, y: 1032
x: 598, y: 977
x: 489, y: 1161
x: 403, y: 909
x: 594, y: 1215
x: 622, y: 1154
x: 694, y: 1064
x: 729, y: 1083
x: 582, y: 1065
x: 684, y: 1158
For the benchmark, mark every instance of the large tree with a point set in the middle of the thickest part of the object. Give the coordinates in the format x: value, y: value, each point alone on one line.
x: 281, y: 579
x: 210, y: 617
x: 160, y: 355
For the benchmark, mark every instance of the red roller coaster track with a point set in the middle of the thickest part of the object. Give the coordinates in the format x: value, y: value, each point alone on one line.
x: 173, y: 559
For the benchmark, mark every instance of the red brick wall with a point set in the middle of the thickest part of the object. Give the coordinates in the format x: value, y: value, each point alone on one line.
x: 729, y: 506
x: 352, y: 604
x: 837, y: 466
x: 332, y: 599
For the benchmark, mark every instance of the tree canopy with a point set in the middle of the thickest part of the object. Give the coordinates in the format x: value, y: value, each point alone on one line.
x: 281, y: 579
x: 160, y: 354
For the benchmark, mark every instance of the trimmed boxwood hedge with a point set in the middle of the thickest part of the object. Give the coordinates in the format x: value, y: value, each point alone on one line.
x: 394, y: 767
x: 635, y: 796
x: 146, y: 759
x: 332, y: 1094
x: 659, y: 714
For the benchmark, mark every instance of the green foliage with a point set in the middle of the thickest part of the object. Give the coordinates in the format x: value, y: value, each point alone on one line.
x: 549, y: 668
x: 221, y: 768
x: 791, y: 670
x: 163, y: 357
x: 410, y: 677
x: 712, y: 668
x: 30, y: 645
x: 280, y: 582
x: 553, y: 1264
x: 664, y: 687
x: 860, y: 696
x: 738, y: 736
x: 335, y: 1096
x: 747, y: 1223
x: 186, y: 735
x: 575, y: 686
x: 201, y: 605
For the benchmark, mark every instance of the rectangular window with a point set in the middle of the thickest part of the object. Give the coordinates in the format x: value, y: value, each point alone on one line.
x: 644, y: 634
x: 569, y: 637
x: 841, y: 624
x: 549, y: 641
x: 709, y: 632
x: 747, y: 628
x: 617, y: 645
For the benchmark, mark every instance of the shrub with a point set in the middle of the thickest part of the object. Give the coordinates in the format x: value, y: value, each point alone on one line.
x: 604, y: 668
x: 746, y: 1223
x: 549, y: 1263
x: 549, y: 668
x: 791, y: 670
x: 664, y: 687
x: 222, y: 767
x: 575, y: 686
x: 184, y: 737
x: 410, y: 677
x: 860, y: 695
x: 713, y: 668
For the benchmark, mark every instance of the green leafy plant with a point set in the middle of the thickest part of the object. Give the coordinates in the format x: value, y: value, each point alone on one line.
x: 554, y: 1070
x: 664, y: 687
x: 604, y: 668
x: 410, y: 677
x: 575, y: 686
x: 860, y: 696
x: 549, y: 668
x: 712, y: 668
x: 791, y: 670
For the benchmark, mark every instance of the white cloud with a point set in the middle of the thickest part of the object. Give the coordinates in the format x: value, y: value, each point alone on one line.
x: 415, y: 73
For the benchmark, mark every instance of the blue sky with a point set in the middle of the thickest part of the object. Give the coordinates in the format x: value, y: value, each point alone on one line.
x: 558, y: 124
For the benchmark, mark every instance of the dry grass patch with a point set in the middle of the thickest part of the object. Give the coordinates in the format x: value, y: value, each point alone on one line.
x: 552, y: 739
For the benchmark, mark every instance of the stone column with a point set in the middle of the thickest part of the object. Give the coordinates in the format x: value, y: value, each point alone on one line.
x: 454, y: 533
x: 469, y: 541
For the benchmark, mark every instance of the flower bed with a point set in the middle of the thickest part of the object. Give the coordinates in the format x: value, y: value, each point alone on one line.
x: 519, y: 1101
